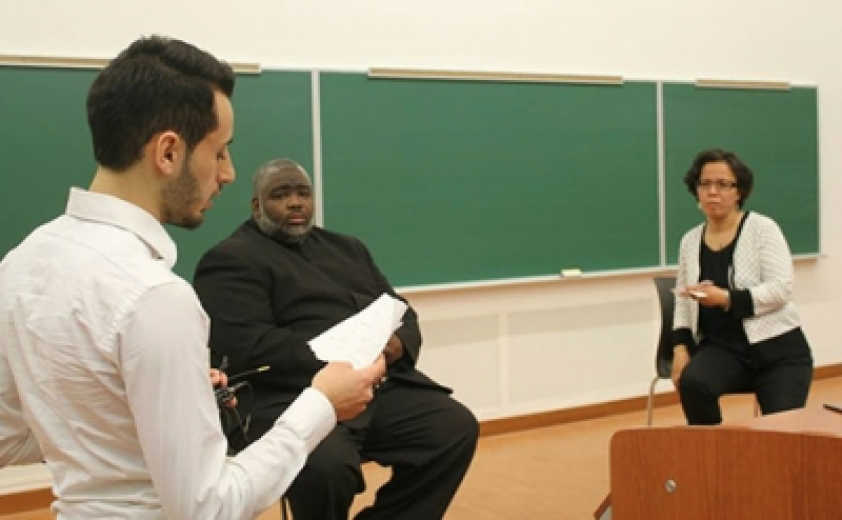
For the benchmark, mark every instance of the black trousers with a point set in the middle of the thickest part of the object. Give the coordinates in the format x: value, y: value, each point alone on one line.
x: 427, y: 438
x: 778, y: 371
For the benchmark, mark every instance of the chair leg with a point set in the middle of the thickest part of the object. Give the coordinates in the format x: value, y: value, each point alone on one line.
x: 283, y: 503
x: 650, y: 401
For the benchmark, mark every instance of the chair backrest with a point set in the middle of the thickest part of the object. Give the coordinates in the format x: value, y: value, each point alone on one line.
x: 666, y: 298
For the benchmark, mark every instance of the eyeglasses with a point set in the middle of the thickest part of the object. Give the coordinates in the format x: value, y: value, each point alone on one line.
x: 718, y: 184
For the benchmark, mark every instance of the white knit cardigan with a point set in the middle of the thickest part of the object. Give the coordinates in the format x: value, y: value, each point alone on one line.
x: 762, y: 264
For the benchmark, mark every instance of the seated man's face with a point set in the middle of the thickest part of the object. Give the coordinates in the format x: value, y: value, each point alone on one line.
x: 286, y: 205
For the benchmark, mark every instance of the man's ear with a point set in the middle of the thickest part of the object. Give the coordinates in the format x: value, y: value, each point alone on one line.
x: 168, y: 152
x: 255, y: 206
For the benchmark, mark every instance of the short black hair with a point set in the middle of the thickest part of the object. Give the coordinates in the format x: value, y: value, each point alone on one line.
x: 155, y: 84
x: 742, y: 173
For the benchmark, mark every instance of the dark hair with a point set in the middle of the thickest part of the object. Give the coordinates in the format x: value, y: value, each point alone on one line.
x: 273, y: 167
x: 742, y: 173
x: 155, y: 84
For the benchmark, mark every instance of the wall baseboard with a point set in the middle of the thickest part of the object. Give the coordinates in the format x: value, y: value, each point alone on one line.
x: 577, y: 413
x: 26, y: 501
x: 41, y: 498
x: 596, y: 410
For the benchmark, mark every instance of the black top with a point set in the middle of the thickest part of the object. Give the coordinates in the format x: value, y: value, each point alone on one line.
x: 715, y: 324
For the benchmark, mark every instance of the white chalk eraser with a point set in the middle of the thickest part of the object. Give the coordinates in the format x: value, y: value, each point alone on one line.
x: 571, y: 273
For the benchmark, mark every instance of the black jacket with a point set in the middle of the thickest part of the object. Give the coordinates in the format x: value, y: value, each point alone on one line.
x: 267, y: 298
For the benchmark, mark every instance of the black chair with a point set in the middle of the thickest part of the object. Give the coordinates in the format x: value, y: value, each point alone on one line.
x: 663, y: 357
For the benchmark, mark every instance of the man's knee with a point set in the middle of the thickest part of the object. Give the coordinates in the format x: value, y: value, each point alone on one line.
x: 460, y: 426
x: 469, y: 423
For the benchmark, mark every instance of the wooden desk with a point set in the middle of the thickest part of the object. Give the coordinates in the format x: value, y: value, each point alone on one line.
x: 785, y: 466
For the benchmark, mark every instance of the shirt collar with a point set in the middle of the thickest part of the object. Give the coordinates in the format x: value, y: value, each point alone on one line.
x: 100, y: 207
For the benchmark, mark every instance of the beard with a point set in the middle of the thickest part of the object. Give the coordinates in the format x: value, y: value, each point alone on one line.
x: 179, y: 196
x: 290, y: 234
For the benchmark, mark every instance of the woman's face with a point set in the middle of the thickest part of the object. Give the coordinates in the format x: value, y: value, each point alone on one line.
x: 717, y: 190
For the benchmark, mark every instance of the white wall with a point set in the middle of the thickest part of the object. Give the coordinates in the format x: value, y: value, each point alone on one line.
x: 513, y: 349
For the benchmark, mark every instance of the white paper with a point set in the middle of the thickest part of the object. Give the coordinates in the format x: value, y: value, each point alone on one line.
x: 360, y: 338
x: 684, y: 293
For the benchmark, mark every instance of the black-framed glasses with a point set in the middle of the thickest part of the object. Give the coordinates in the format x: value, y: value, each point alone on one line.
x: 720, y: 184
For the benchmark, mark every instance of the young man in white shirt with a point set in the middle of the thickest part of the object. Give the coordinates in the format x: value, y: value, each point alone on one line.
x: 103, y: 350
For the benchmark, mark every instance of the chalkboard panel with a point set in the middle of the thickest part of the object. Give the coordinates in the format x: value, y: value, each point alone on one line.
x: 46, y: 148
x: 462, y: 181
x: 773, y: 131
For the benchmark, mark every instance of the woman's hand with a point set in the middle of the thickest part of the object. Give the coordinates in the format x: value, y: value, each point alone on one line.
x: 680, y: 358
x: 709, y: 295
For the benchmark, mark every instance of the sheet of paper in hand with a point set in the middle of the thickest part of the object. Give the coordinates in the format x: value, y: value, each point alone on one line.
x: 682, y: 292
x: 360, y: 338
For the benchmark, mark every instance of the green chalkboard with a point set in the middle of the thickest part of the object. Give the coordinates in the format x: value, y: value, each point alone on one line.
x: 453, y: 181
x: 773, y: 131
x: 46, y: 148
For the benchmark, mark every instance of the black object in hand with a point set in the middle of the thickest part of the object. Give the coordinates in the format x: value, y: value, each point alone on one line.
x: 224, y: 394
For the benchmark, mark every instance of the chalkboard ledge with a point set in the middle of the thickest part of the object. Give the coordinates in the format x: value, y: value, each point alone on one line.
x: 556, y: 278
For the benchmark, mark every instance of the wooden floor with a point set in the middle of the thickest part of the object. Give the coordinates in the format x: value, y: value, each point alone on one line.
x: 558, y: 472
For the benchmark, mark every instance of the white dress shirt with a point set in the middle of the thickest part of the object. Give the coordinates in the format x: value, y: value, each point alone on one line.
x: 104, y: 365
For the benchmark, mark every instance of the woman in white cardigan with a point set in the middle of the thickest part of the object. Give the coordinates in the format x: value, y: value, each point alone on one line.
x: 735, y: 326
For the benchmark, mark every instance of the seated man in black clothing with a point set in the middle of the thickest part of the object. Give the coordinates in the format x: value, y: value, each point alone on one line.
x: 279, y: 281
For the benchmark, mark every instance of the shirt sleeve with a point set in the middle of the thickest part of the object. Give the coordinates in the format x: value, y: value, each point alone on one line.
x: 741, y: 305
x: 682, y: 310
x: 164, y: 361
x: 17, y: 443
x: 776, y: 271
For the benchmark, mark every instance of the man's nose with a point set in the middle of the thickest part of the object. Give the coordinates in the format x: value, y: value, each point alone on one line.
x: 294, y: 200
x: 227, y: 173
